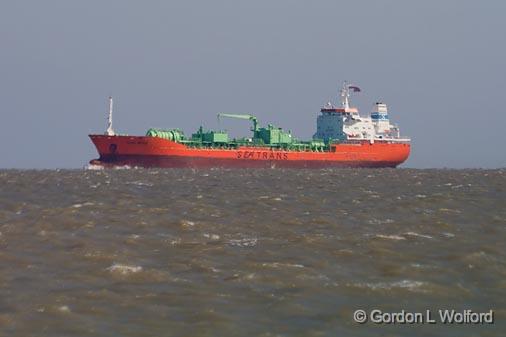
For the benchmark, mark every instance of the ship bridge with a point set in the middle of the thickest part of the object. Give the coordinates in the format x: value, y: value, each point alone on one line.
x: 342, y: 123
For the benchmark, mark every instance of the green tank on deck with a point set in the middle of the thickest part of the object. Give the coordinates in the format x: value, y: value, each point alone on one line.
x: 273, y: 135
x: 175, y: 135
x: 215, y: 137
x: 210, y: 136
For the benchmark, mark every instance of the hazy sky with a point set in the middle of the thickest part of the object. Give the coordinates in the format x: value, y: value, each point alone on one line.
x: 439, y: 65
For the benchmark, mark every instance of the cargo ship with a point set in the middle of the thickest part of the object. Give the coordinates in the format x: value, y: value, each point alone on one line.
x: 343, y: 138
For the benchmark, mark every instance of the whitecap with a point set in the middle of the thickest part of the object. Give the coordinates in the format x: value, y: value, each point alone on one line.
x: 449, y: 210
x: 139, y: 183
x: 407, y: 284
x: 84, y: 204
x: 448, y: 235
x: 176, y: 241
x: 279, y: 264
x: 418, y: 235
x: 64, y: 309
x: 187, y: 223
x: 211, y: 236
x: 403, y: 284
x: 91, y: 167
x: 390, y: 237
x: 124, y: 269
x: 123, y: 167
x: 246, y: 242
x: 375, y: 221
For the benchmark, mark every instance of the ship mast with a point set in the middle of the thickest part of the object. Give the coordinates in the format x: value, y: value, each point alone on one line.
x: 345, y: 94
x: 110, y: 131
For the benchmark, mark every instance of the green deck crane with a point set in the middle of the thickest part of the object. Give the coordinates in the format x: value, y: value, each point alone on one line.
x: 242, y: 116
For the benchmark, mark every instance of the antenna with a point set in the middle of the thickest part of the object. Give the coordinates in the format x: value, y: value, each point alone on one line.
x: 110, y: 131
x: 345, y: 94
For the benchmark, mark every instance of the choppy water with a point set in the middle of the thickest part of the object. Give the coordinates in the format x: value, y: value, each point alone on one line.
x: 248, y: 252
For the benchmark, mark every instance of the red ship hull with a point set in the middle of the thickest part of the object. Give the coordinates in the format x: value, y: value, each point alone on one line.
x: 157, y: 152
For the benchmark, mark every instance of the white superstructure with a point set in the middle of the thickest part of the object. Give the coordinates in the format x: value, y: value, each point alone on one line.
x: 345, y: 123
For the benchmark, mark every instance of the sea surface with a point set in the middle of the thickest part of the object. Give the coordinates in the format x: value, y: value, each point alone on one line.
x: 272, y: 252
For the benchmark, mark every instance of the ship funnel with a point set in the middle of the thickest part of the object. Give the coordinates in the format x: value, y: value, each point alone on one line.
x: 379, y: 112
x: 110, y: 131
x: 379, y: 118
